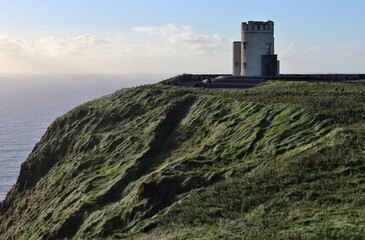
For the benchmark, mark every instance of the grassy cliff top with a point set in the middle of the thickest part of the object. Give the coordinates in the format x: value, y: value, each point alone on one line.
x: 282, y: 160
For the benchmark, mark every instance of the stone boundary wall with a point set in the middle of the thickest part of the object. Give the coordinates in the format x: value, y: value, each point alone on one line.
x: 190, y: 80
x: 329, y: 77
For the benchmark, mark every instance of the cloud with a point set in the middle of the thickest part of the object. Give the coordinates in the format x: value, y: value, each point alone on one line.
x: 178, y: 49
x: 162, y: 31
x: 354, y: 53
x: 90, y: 53
x: 10, y: 47
x: 287, y: 53
x: 195, y: 43
x: 330, y: 58
x: 312, y: 49
x: 178, y: 41
x: 78, y: 47
x: 292, y: 52
x: 83, y: 46
x: 80, y: 53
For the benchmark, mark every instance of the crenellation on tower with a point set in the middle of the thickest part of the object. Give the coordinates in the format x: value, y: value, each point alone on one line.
x: 257, y: 50
x: 257, y: 26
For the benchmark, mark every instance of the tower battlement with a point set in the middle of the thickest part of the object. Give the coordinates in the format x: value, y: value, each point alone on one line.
x: 257, y: 26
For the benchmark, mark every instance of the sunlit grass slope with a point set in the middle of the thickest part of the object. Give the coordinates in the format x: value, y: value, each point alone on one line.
x: 283, y: 160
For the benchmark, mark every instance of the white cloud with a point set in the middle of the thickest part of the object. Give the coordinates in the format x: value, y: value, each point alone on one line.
x: 78, y: 47
x: 10, y: 47
x: 287, y: 53
x: 313, y: 49
x: 162, y: 31
x: 80, y: 53
x: 89, y: 53
x: 179, y: 49
x: 353, y: 51
x: 330, y: 58
x: 196, y: 43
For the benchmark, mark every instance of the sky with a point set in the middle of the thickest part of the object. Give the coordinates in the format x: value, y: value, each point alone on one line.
x: 175, y: 36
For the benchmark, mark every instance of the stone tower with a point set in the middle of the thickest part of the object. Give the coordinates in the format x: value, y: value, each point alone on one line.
x: 256, y: 55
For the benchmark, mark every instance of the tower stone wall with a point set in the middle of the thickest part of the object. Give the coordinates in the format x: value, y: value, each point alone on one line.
x: 236, y: 59
x: 257, y: 40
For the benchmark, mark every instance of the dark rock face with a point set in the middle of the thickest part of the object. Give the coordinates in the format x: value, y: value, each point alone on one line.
x: 112, y: 166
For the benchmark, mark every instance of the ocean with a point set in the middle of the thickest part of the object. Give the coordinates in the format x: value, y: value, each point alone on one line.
x: 30, y: 103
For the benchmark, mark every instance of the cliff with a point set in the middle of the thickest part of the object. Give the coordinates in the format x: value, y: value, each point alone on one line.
x: 279, y: 161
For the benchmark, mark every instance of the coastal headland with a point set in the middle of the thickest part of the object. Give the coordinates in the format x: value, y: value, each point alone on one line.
x: 282, y: 159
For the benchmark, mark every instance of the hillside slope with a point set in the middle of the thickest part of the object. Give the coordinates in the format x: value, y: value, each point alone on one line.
x: 165, y: 162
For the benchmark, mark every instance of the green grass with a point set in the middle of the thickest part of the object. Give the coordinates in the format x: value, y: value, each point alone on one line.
x: 284, y: 160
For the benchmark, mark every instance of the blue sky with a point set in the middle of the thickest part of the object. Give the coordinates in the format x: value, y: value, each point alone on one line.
x: 154, y: 36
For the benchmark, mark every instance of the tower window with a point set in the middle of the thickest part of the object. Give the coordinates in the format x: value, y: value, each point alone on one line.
x: 244, y: 45
x: 244, y: 65
x: 268, y: 46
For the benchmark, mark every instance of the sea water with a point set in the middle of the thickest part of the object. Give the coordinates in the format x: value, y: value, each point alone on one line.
x: 29, y: 104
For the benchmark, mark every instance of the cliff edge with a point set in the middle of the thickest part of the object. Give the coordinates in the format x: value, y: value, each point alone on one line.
x: 279, y: 161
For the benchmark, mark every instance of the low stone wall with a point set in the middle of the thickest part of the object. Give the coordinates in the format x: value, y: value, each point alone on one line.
x: 205, y: 80
x: 330, y: 77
